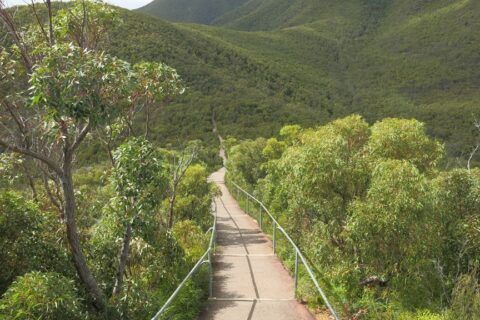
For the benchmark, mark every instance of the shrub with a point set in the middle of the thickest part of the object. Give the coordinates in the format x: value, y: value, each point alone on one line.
x: 27, y: 240
x: 46, y: 296
x: 191, y: 238
x: 466, y: 298
x: 405, y: 140
x: 194, y: 196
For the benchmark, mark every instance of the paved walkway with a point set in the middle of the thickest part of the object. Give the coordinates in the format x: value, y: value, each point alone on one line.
x: 250, y: 283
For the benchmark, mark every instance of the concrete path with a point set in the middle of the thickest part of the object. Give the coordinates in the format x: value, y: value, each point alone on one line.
x: 250, y: 283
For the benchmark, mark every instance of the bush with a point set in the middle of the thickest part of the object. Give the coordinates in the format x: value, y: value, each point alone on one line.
x: 190, y: 300
x: 191, y: 238
x: 370, y: 210
x: 394, y: 229
x: 245, y: 160
x: 194, y: 197
x: 405, y: 140
x: 46, y: 296
x: 466, y: 298
x: 458, y: 194
x: 27, y: 240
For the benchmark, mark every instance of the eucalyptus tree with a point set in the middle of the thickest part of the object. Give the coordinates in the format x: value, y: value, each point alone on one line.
x: 405, y: 140
x: 140, y: 180
x: 394, y: 230
x: 57, y: 88
x: 180, y: 164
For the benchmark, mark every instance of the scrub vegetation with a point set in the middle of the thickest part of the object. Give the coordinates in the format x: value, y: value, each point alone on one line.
x: 390, y: 233
x: 356, y: 122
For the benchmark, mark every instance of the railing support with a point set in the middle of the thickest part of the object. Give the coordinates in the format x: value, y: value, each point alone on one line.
x: 296, y: 271
x: 210, y: 275
x: 274, y: 236
x: 261, y: 218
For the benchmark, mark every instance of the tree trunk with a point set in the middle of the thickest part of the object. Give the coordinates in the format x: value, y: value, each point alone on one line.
x: 147, y: 122
x: 122, y: 261
x: 171, y: 207
x: 79, y: 260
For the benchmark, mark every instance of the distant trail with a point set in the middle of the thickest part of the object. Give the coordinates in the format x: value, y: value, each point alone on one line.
x: 250, y: 282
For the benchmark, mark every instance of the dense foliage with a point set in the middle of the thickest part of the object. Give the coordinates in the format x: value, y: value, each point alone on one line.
x: 42, y: 296
x: 27, y: 239
x: 206, y: 11
x: 391, y: 235
x: 98, y: 223
x: 310, y: 62
x: 91, y: 242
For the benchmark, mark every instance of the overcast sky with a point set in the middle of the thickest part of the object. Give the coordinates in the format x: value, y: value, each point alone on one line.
x: 130, y: 4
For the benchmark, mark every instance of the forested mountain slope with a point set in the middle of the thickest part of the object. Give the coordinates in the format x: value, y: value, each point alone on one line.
x: 101, y: 185
x: 318, y: 60
x: 199, y: 11
x: 250, y: 94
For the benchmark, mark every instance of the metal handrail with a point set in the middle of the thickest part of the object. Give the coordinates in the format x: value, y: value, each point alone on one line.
x: 206, y: 258
x: 298, y: 254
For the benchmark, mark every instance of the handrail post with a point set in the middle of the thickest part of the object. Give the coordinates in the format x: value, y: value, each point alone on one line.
x: 248, y: 202
x: 274, y: 237
x: 214, y: 245
x: 210, y: 275
x: 261, y: 218
x: 296, y: 271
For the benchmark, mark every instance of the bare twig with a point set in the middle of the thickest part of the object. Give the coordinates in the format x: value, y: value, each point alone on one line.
x: 49, y: 162
x: 11, y: 27
x: 51, y: 196
x: 39, y: 21
x: 472, y: 155
x: 84, y: 25
x: 477, y: 147
x: 81, y: 136
x: 16, y: 117
x: 31, y: 182
x: 48, y: 4
x: 179, y: 171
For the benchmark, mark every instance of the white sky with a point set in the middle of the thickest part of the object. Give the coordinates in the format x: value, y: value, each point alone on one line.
x: 129, y: 4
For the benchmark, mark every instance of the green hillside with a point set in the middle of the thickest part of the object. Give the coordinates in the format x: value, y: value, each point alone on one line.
x: 319, y: 60
x: 333, y: 113
x: 198, y: 11
x: 250, y: 95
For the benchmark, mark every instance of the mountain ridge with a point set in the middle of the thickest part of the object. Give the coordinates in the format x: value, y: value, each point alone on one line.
x: 385, y: 58
x: 199, y: 11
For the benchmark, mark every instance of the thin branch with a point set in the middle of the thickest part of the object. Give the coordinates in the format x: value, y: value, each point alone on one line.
x: 476, y: 124
x: 178, y: 173
x: 31, y: 182
x: 12, y: 30
x: 51, y: 164
x: 52, y: 198
x: 11, y: 109
x: 472, y: 155
x: 39, y: 21
x: 48, y: 3
x: 7, y: 129
x: 81, y: 137
x: 84, y: 26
